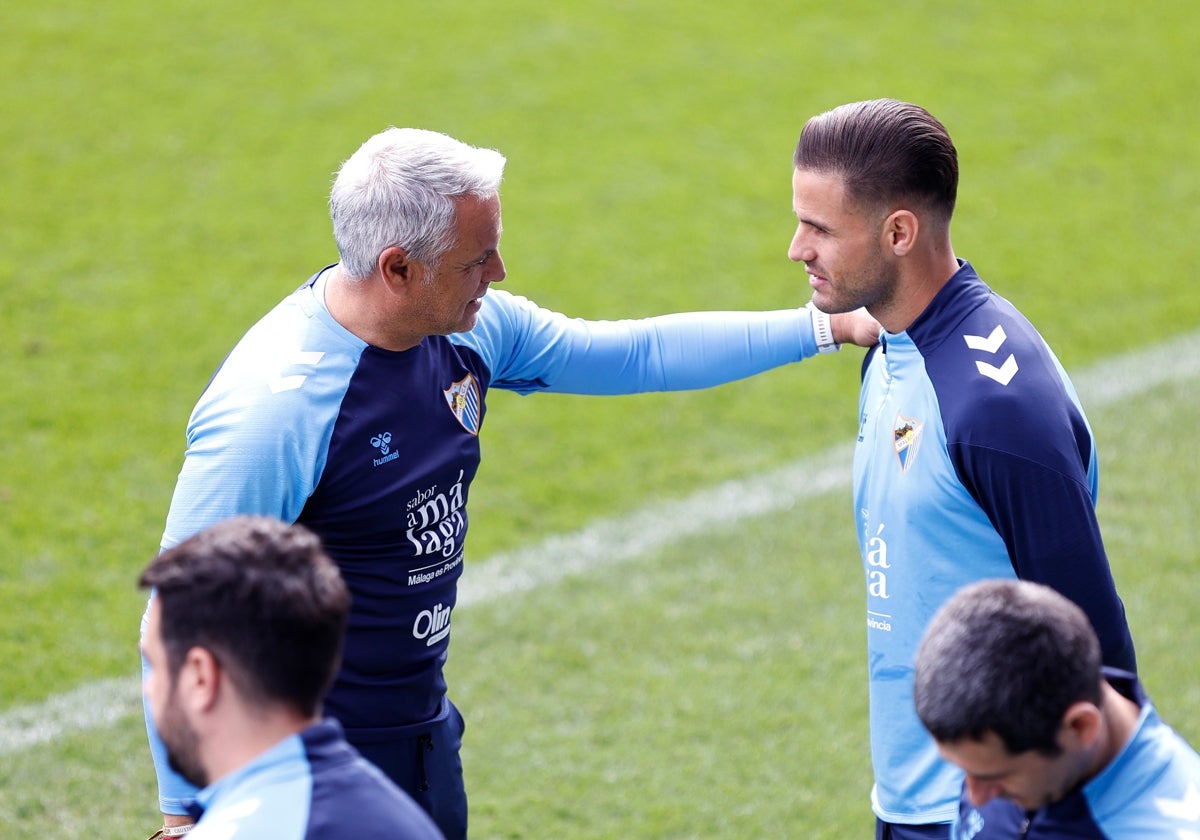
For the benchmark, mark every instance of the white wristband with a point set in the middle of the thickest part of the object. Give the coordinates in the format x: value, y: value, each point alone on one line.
x: 822, y: 330
x: 176, y: 830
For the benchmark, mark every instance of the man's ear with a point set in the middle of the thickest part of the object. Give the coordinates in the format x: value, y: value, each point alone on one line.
x: 900, y: 231
x: 1080, y: 724
x: 200, y: 680
x: 398, y: 269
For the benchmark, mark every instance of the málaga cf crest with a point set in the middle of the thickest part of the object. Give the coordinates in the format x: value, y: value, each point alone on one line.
x: 907, y: 439
x: 464, y: 402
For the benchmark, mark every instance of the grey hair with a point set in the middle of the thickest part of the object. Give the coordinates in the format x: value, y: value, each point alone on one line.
x: 400, y: 188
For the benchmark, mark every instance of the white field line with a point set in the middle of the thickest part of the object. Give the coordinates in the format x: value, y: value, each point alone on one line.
x: 613, y: 540
x: 90, y: 706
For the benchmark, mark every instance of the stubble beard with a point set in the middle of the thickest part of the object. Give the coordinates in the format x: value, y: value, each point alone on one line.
x: 183, y: 748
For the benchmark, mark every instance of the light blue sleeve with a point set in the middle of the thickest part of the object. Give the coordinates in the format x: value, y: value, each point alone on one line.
x: 257, y: 439
x: 174, y: 792
x: 256, y: 444
x: 529, y: 348
x: 241, y: 458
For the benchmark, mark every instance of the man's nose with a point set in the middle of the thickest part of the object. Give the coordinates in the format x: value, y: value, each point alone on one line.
x: 498, y: 271
x: 981, y: 793
x: 800, y: 250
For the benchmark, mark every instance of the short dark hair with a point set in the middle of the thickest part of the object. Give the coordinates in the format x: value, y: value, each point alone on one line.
x: 1009, y: 657
x: 886, y: 151
x: 264, y: 598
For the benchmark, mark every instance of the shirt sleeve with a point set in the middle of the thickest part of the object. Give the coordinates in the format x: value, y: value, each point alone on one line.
x: 1022, y: 447
x: 529, y: 348
x: 175, y: 793
x: 240, y: 463
x: 256, y: 444
x: 1047, y: 519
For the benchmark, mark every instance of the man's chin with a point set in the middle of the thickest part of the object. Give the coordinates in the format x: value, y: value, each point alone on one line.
x: 468, y: 322
x: 828, y: 304
x: 191, y: 771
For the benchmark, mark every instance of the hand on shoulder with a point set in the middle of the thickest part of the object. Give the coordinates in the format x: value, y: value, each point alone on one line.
x: 857, y: 327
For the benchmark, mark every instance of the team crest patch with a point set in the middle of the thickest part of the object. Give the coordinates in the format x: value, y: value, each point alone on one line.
x: 907, y: 439
x: 464, y: 402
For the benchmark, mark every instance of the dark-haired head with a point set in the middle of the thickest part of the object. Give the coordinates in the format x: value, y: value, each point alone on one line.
x: 264, y: 598
x: 888, y: 153
x: 1008, y: 657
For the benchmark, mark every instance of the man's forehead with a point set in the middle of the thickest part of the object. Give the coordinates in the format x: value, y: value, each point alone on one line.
x: 819, y: 193
x: 477, y: 205
x: 476, y: 213
x: 982, y: 756
x: 815, y: 181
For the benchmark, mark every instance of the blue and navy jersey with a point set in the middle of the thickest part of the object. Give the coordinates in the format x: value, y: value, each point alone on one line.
x: 974, y: 460
x: 1151, y: 789
x: 376, y: 450
x: 310, y: 786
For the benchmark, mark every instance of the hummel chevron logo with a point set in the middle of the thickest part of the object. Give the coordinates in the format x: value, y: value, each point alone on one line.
x: 304, y: 358
x: 1185, y: 810
x: 992, y: 344
x: 1002, y: 374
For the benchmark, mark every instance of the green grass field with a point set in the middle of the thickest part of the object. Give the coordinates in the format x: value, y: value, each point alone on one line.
x: 166, y: 169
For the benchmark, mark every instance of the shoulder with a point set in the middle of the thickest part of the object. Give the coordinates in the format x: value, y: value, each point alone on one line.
x: 989, y: 348
x: 1152, y: 786
x: 267, y: 797
x: 348, y: 791
x: 503, y: 315
x: 519, y: 342
x: 998, y: 383
x: 299, y: 332
x: 293, y: 359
